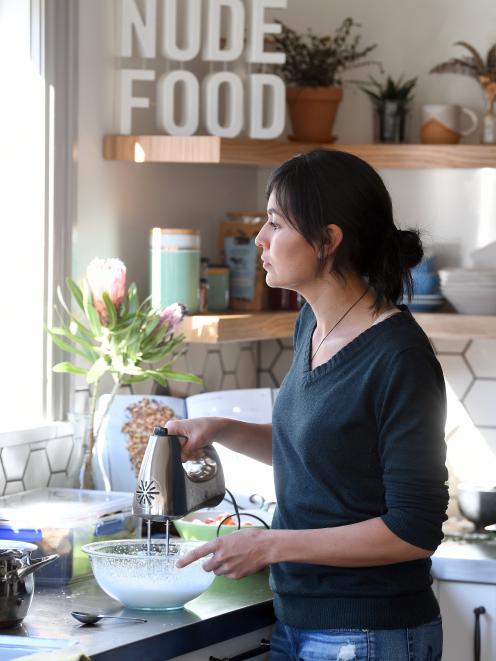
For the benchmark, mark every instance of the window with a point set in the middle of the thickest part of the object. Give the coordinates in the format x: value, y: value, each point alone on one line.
x: 35, y: 200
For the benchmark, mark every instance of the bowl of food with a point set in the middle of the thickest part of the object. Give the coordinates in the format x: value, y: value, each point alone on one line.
x: 204, y: 524
x: 147, y: 578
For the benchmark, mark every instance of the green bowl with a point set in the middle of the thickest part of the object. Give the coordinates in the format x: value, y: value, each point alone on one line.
x: 191, y: 527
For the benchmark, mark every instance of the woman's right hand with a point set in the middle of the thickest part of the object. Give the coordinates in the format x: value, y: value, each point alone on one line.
x: 199, y: 432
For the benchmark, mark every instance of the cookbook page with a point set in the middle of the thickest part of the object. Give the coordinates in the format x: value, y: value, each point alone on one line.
x: 243, y: 475
x: 124, y: 434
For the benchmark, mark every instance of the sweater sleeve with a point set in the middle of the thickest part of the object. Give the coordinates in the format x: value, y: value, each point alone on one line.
x: 412, y: 447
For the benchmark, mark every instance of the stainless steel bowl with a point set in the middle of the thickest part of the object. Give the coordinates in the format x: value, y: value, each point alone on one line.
x: 126, y: 572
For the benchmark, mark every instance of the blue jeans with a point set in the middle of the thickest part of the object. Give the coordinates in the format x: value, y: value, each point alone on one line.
x: 422, y: 643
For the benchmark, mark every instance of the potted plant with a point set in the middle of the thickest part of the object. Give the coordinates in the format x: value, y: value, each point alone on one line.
x: 113, y: 333
x: 312, y: 74
x: 484, y: 71
x: 391, y: 100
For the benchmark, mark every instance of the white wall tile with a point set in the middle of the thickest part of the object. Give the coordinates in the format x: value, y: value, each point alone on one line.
x: 229, y: 354
x: 212, y: 372
x: 449, y: 345
x: 59, y: 451
x: 481, y: 355
x: 14, y: 487
x: 14, y: 460
x: 37, y: 470
x: 456, y: 372
x: 480, y: 402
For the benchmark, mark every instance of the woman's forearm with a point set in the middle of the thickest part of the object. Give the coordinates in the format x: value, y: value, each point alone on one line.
x: 254, y: 440
x: 365, y: 544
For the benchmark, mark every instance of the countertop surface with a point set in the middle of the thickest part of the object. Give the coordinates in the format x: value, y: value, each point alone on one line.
x: 465, y: 561
x: 226, y: 610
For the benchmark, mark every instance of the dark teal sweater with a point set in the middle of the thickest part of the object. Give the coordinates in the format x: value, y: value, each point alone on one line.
x: 359, y: 437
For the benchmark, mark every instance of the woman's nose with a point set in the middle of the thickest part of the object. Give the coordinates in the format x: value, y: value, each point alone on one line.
x: 259, y: 240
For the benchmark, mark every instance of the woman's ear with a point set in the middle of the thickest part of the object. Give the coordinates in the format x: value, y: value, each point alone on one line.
x: 333, y: 240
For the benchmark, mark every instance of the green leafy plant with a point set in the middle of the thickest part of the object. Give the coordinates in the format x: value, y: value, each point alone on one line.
x: 390, y: 90
x: 318, y: 61
x: 113, y: 333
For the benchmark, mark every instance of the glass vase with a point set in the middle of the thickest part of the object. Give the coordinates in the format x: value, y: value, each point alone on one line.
x: 390, y: 122
x: 488, y: 135
x: 81, y: 474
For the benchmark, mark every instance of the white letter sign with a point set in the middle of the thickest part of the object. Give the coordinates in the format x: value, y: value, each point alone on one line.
x: 189, y: 104
x: 277, y: 108
x: 126, y: 98
x: 145, y: 29
x: 234, y: 104
x: 222, y: 102
x: 192, y: 31
x: 212, y: 51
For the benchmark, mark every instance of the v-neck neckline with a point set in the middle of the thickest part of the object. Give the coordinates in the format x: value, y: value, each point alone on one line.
x: 349, y: 347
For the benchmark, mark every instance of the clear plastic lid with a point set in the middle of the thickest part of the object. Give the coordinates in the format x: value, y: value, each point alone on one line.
x: 54, y: 508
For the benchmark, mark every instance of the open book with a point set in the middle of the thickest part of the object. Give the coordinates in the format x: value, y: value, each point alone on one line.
x: 130, y: 420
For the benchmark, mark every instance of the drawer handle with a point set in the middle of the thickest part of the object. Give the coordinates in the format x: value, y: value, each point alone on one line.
x: 480, y: 610
x: 250, y: 654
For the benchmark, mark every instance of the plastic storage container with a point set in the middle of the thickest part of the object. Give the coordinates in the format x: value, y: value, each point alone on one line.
x: 62, y: 521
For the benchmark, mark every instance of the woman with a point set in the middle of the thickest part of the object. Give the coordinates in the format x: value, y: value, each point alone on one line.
x: 357, y: 436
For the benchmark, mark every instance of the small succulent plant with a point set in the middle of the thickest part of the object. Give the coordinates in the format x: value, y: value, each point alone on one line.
x: 390, y: 90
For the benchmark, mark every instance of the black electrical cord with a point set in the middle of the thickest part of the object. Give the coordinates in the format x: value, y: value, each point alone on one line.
x: 237, y: 514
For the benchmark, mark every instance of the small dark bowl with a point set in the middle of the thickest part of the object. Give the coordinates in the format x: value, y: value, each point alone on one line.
x: 477, y: 504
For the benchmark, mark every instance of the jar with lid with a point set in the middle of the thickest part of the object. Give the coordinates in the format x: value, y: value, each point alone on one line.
x: 175, y: 267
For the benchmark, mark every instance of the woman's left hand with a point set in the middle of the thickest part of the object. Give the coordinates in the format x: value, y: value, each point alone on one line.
x: 235, y: 555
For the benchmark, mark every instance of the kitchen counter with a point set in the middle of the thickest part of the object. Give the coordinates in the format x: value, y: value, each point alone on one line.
x: 473, y: 562
x: 226, y: 610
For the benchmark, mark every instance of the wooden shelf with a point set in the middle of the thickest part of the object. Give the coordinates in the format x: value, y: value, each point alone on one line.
x: 238, y: 327
x: 243, y: 151
x: 241, y: 327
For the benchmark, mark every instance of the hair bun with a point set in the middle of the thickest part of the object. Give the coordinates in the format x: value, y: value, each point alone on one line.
x: 410, y: 247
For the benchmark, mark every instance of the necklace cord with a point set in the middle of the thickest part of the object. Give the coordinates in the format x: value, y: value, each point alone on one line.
x: 338, y: 322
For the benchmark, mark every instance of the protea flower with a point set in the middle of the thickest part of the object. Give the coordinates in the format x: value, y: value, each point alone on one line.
x: 106, y: 275
x: 172, y: 315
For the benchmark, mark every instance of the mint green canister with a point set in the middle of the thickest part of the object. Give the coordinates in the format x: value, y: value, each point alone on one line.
x: 175, y: 267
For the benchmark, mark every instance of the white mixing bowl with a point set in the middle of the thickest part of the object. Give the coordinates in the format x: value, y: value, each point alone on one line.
x: 125, y: 571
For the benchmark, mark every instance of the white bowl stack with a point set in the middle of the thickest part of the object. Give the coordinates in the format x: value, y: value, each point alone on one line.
x: 470, y: 291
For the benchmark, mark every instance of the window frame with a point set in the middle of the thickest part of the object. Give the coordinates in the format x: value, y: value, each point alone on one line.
x: 54, y: 50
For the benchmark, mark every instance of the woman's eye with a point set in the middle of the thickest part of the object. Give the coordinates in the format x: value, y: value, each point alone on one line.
x: 274, y: 225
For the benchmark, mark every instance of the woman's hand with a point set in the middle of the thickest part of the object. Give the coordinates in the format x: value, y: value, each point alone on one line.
x: 235, y: 555
x: 199, y: 432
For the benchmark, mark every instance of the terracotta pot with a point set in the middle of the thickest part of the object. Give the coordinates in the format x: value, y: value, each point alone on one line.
x: 312, y: 111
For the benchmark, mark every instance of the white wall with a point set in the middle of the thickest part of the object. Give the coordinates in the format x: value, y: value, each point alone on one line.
x: 119, y: 202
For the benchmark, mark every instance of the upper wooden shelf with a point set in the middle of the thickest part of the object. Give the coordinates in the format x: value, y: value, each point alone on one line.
x: 243, y: 151
x: 244, y: 327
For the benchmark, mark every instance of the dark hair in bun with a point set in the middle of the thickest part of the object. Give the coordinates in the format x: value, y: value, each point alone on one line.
x: 325, y: 187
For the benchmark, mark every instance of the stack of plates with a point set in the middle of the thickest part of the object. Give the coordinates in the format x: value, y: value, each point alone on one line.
x: 424, y: 302
x: 470, y: 291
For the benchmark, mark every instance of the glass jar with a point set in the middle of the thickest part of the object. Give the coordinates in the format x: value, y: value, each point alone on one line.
x: 175, y: 267
x: 218, y: 288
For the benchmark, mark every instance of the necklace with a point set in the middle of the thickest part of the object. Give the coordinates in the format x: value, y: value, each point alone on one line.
x: 338, y: 322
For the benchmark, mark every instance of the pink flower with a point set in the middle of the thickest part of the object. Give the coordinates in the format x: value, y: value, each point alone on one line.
x: 106, y: 275
x: 172, y: 315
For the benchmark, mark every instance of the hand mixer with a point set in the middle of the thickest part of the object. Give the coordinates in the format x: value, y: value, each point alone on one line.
x: 168, y: 489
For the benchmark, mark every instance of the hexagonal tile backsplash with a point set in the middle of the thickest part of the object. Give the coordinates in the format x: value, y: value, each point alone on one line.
x: 469, y: 366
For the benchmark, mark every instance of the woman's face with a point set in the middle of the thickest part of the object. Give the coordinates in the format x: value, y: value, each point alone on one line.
x: 290, y: 261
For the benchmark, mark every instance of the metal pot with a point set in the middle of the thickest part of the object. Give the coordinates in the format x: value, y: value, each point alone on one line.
x: 478, y: 504
x: 16, y: 580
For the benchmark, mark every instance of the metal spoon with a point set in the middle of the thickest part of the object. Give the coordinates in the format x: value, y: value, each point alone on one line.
x: 93, y: 618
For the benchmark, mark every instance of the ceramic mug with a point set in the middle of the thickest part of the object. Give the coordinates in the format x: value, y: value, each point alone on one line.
x: 442, y: 124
